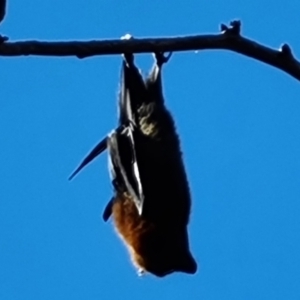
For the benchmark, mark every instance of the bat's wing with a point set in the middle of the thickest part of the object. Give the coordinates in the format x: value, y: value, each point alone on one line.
x: 98, y: 149
x: 133, y: 92
x: 108, y: 210
x: 123, y: 165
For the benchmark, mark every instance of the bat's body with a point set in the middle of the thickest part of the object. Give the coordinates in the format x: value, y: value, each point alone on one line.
x: 151, y: 203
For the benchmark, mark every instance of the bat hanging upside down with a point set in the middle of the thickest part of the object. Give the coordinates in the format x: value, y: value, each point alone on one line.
x: 151, y: 202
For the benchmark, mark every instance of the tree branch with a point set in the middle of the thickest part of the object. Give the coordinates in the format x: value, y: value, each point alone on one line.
x: 228, y: 39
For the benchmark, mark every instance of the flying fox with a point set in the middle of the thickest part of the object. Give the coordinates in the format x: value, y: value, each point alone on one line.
x: 151, y: 200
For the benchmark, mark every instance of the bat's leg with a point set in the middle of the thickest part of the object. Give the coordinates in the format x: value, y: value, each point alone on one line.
x: 128, y: 57
x: 154, y: 80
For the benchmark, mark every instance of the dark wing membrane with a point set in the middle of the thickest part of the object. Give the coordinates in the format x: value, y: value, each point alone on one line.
x: 100, y: 147
x: 133, y: 91
x: 108, y: 210
x: 136, y: 178
x: 123, y: 165
x: 114, y: 163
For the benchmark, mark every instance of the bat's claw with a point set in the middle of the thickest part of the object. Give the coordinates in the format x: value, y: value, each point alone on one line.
x: 3, y: 39
x: 161, y: 58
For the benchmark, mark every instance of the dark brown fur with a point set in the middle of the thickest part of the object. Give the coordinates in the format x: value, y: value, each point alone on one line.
x: 158, y: 248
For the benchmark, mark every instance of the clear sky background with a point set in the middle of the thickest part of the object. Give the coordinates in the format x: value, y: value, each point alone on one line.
x: 239, y: 122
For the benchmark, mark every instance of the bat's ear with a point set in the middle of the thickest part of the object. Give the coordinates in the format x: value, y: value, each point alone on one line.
x: 98, y: 149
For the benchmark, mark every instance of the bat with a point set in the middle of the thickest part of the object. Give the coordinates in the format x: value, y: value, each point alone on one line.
x: 151, y: 203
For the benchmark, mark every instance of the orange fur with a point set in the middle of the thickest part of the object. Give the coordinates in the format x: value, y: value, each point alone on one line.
x: 159, y: 248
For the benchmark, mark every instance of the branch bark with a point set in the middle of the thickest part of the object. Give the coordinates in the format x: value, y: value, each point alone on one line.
x: 229, y: 39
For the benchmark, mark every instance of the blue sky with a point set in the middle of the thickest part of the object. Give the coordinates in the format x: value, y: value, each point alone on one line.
x: 239, y: 122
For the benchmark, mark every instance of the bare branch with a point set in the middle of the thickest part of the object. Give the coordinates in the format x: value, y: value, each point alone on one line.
x: 228, y: 39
